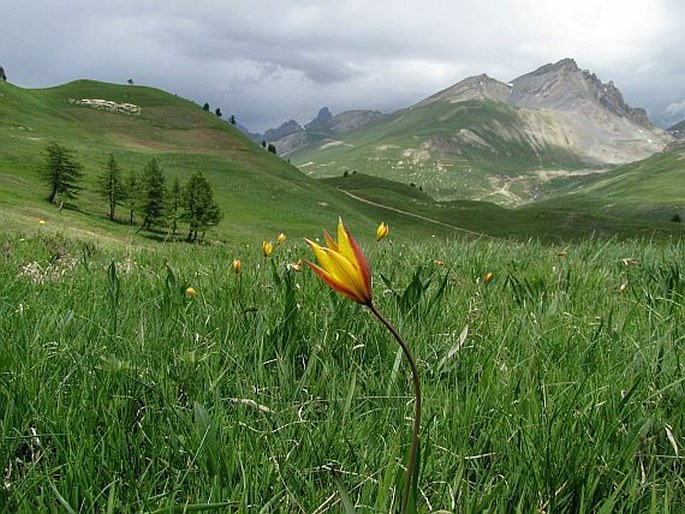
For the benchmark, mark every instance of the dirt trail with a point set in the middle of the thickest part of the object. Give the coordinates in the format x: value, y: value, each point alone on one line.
x: 418, y: 216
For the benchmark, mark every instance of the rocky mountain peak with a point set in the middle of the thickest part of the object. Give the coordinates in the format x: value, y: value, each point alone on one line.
x: 566, y: 65
x: 480, y: 87
x: 287, y: 128
x: 323, y: 117
x: 563, y: 86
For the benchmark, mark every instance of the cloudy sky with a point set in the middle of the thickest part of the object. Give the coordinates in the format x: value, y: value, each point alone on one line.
x: 267, y: 61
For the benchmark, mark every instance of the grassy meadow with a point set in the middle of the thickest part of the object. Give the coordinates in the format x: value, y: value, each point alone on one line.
x: 557, y: 386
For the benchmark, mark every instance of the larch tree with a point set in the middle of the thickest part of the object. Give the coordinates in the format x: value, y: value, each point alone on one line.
x: 152, y: 195
x: 200, y: 210
x: 111, y: 185
x: 61, y: 172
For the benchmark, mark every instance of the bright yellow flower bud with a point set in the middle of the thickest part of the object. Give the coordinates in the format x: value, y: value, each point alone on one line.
x: 267, y: 248
x: 488, y: 277
x: 382, y: 231
x: 191, y: 292
x: 281, y: 238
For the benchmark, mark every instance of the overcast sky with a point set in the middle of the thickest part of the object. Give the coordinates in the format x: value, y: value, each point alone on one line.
x: 269, y: 61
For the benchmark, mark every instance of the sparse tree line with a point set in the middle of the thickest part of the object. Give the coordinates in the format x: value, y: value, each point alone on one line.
x: 144, y: 195
x: 218, y: 113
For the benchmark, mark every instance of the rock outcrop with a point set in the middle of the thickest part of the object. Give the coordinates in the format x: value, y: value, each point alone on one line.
x: 285, y: 129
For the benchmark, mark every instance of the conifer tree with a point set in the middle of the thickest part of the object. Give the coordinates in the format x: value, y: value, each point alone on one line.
x: 111, y: 185
x: 152, y: 195
x: 200, y: 210
x: 61, y: 172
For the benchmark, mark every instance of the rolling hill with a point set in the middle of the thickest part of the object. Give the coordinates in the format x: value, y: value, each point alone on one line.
x: 259, y: 193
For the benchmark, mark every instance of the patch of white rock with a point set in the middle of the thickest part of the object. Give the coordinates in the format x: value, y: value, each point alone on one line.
x: 107, y: 105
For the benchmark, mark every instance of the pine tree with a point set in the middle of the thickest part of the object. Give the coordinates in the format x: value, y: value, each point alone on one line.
x: 152, y: 194
x: 61, y: 172
x: 200, y: 210
x: 111, y: 185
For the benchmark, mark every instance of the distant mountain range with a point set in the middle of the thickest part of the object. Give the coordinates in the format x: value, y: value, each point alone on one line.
x: 473, y: 138
x: 290, y: 135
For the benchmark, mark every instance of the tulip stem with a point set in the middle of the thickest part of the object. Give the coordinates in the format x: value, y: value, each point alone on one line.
x: 417, y: 406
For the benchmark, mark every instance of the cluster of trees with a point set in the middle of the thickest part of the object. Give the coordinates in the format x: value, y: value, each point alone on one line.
x: 218, y: 112
x: 145, y: 195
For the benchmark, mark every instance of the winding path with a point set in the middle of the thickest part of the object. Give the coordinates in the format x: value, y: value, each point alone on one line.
x: 418, y: 216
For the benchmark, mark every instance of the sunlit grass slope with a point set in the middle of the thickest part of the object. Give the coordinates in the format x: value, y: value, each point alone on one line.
x: 565, y: 220
x: 650, y: 189
x: 259, y: 193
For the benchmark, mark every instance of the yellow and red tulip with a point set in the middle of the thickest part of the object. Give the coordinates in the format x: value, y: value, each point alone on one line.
x: 267, y: 248
x: 237, y: 265
x: 382, y: 231
x: 488, y: 277
x: 343, y: 266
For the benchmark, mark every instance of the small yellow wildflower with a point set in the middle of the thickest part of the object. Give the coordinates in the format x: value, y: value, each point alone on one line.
x: 382, y: 231
x: 267, y: 248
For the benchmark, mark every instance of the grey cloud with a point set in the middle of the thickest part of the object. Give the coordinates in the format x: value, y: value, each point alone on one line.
x: 271, y: 60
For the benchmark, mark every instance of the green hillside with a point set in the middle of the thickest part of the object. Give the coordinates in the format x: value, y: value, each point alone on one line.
x: 650, y: 189
x: 556, y: 220
x: 452, y: 150
x: 259, y: 193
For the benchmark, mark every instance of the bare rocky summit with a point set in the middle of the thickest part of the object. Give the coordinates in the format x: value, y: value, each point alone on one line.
x: 561, y: 105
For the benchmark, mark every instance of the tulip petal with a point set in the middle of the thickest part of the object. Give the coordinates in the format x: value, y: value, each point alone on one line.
x: 329, y: 241
x: 334, y: 284
x: 342, y: 265
x: 338, y: 268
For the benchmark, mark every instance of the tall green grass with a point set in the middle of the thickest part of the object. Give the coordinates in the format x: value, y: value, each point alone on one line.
x: 550, y: 389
